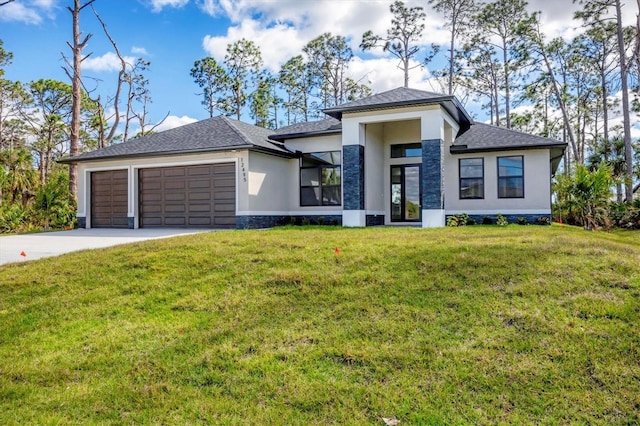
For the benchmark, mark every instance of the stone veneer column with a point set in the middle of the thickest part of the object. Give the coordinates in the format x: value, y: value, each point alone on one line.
x: 353, y: 211
x: 432, y: 184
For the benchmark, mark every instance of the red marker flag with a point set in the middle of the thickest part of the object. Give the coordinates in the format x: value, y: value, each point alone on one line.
x: 337, y: 250
x: 23, y: 254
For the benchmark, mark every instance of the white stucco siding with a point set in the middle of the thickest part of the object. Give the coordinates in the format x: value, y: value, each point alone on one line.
x: 373, y: 169
x: 406, y: 131
x: 134, y: 164
x: 269, y: 184
x: 315, y: 144
x: 537, y: 185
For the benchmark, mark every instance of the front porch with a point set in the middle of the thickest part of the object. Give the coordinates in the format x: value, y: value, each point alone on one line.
x: 393, y: 167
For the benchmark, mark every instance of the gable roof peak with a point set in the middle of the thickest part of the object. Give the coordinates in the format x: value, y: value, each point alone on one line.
x: 402, y: 97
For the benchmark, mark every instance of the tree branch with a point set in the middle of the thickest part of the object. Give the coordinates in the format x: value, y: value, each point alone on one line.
x: 121, y: 75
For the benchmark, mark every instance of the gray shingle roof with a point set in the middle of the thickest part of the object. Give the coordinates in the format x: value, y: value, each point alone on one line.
x: 481, y: 137
x: 217, y: 133
x: 312, y: 128
x: 399, y: 97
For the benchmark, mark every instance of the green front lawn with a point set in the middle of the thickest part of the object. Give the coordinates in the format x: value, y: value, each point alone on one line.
x: 472, y: 325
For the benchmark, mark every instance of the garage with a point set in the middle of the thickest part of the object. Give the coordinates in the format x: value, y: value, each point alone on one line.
x: 197, y: 196
x: 109, y: 199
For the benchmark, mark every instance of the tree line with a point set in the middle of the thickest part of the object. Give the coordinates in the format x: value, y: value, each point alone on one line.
x: 298, y: 92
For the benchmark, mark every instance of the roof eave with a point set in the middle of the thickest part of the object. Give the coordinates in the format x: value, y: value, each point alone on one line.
x: 464, y: 149
x: 336, y: 112
x: 74, y: 160
x: 455, y: 110
x: 274, y: 152
x: 298, y: 135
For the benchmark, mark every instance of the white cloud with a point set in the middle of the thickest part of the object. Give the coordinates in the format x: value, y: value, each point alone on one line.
x: 30, y: 12
x: 173, y: 121
x: 105, y: 63
x: 44, y: 4
x: 282, y: 28
x: 382, y: 74
x: 139, y: 51
x: 18, y: 12
x: 158, y: 5
x: 210, y: 7
x: 269, y: 40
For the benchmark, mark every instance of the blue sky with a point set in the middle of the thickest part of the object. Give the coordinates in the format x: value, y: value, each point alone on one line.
x: 172, y: 34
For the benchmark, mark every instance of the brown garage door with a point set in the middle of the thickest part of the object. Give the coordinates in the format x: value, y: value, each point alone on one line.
x: 202, y: 196
x: 109, y: 199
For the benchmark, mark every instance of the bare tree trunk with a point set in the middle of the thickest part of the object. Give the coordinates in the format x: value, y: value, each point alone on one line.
x: 628, y: 153
x: 637, y: 52
x: 41, y: 167
x: 496, y: 103
x: 76, y: 48
x: 121, y: 76
x: 406, y: 72
x: 451, y: 56
x: 507, y: 94
x: 605, y: 116
x: 563, y: 107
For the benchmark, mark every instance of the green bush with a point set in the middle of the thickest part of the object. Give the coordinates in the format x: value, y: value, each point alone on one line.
x: 625, y: 215
x: 13, y: 217
x: 522, y: 221
x: 459, y: 220
x: 543, y: 220
x: 487, y: 220
x: 53, y: 206
x: 501, y: 220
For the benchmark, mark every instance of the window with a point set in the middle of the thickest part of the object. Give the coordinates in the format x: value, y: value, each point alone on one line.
x: 320, y: 179
x: 406, y: 150
x: 471, y: 178
x: 511, y: 177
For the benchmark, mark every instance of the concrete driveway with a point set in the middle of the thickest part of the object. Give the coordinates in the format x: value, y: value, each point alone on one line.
x: 47, y: 244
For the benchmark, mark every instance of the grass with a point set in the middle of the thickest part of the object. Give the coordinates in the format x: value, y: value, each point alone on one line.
x: 472, y: 325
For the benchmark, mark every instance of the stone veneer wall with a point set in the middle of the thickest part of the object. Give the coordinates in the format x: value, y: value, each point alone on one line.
x: 258, y: 222
x: 432, y: 174
x: 353, y: 177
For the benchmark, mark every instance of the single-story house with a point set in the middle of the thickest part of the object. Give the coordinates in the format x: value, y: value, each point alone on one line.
x: 405, y: 157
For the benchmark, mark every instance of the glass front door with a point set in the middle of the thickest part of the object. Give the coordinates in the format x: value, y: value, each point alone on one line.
x: 405, y: 193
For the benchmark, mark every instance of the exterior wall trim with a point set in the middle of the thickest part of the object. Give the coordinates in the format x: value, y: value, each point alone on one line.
x: 290, y: 213
x: 499, y: 211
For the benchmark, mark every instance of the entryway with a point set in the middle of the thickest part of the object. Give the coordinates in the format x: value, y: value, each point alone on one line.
x: 406, y: 193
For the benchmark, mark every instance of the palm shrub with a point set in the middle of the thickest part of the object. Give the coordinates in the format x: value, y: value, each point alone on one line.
x: 17, y: 176
x: 590, y: 192
x: 564, y: 208
x: 53, y: 205
x: 13, y: 217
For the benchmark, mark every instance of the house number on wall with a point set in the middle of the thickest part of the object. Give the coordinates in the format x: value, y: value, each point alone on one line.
x: 243, y: 170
